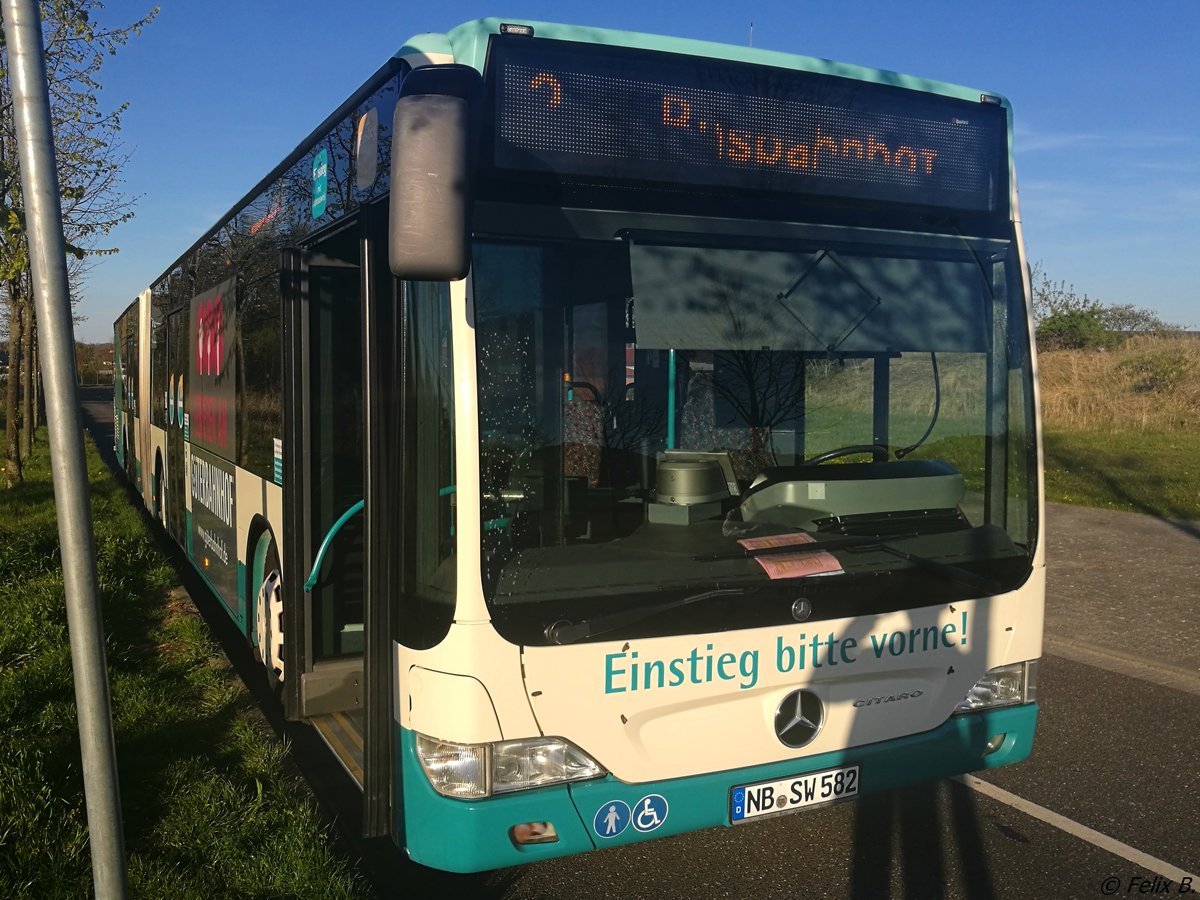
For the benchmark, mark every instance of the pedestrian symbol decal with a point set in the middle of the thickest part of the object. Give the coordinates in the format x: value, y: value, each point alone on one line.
x: 611, y: 819
x: 649, y: 812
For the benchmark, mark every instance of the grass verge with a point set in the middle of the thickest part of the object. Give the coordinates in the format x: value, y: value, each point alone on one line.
x: 1145, y: 472
x: 212, y: 806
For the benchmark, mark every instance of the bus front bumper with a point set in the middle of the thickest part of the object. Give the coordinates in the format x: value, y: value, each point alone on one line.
x: 475, y: 835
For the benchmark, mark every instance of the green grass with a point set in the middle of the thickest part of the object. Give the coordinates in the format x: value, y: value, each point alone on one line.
x: 212, y: 805
x: 1157, y: 474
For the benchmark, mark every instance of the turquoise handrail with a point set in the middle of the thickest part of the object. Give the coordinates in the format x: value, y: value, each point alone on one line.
x: 337, y: 526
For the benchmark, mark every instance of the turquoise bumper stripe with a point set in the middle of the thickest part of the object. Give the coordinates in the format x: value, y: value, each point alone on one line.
x: 473, y: 835
x: 703, y: 800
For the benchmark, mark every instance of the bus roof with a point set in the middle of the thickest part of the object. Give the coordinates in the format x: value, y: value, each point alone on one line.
x: 467, y: 44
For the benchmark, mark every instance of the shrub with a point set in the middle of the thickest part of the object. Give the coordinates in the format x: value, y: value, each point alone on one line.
x: 1080, y: 329
x: 1160, y: 370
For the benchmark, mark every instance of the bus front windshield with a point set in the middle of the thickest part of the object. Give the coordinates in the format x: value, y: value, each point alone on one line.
x: 670, y: 423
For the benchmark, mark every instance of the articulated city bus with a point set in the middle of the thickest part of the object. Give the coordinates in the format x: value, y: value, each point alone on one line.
x: 603, y: 436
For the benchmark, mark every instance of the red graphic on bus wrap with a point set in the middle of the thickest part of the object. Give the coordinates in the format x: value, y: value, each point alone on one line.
x: 211, y: 401
x: 209, y: 420
x: 210, y: 337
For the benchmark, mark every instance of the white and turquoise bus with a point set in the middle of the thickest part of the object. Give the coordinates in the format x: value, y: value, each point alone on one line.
x: 604, y: 436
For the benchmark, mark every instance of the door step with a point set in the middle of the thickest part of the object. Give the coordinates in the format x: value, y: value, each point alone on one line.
x: 343, y: 732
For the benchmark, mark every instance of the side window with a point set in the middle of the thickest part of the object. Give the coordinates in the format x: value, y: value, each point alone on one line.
x: 130, y: 345
x: 429, y: 579
x: 260, y: 384
x: 158, y: 368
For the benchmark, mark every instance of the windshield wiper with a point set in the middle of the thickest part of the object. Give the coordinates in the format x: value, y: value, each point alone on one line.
x: 563, y: 632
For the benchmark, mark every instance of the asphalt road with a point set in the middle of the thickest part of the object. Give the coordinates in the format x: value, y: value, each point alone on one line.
x: 1108, y: 805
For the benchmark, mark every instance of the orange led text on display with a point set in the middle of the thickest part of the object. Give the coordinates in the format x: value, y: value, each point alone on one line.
x: 546, y: 80
x: 745, y: 146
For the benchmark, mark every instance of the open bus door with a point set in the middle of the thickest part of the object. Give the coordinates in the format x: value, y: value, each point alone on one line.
x: 338, y: 315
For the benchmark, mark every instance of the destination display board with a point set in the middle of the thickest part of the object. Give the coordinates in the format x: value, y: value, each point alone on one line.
x: 577, y: 110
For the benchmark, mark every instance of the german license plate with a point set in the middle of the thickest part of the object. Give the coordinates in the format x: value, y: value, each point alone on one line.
x: 749, y: 801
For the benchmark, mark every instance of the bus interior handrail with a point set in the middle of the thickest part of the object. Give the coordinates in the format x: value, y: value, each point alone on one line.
x: 345, y: 517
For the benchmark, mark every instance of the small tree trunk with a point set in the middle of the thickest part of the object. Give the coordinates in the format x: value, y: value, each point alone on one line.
x: 12, y: 444
x: 39, y: 397
x: 28, y: 385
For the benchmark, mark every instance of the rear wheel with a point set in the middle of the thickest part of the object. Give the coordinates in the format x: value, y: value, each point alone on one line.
x: 159, y: 512
x: 269, y: 609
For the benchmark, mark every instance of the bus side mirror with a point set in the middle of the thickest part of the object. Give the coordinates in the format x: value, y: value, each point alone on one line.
x: 433, y: 138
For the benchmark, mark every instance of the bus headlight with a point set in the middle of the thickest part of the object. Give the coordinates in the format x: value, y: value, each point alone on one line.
x: 1002, y: 686
x: 469, y: 771
x: 534, y: 762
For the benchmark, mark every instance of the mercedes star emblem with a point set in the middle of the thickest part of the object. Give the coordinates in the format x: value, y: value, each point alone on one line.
x: 799, y: 718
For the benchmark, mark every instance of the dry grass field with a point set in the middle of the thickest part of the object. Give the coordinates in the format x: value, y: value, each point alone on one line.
x: 1121, y: 426
x: 1150, y: 384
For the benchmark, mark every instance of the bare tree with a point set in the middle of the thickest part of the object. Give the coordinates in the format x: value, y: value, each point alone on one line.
x: 89, y: 166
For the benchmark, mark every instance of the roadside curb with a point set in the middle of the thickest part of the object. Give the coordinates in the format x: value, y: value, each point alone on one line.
x: 1164, y: 674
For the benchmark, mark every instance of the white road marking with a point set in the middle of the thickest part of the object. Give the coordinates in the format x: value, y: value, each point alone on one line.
x: 1103, y: 841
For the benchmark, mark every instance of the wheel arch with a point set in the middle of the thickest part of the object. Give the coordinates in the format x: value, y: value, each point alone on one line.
x: 258, y: 546
x: 158, y: 489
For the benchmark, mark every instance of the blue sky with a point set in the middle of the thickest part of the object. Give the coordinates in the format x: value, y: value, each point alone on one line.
x: 1106, y: 98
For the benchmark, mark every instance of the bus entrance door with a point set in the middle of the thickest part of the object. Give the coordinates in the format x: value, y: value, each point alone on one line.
x: 323, y: 579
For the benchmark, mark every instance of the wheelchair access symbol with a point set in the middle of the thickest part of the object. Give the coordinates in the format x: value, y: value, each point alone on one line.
x: 649, y: 812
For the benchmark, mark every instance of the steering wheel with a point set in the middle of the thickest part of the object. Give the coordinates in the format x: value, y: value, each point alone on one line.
x: 878, y: 451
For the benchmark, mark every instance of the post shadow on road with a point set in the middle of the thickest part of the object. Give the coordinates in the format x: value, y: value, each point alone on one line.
x: 910, y: 842
x: 933, y: 832
x: 910, y: 828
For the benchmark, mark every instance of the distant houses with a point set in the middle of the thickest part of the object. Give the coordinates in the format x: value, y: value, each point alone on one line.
x: 94, y: 363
